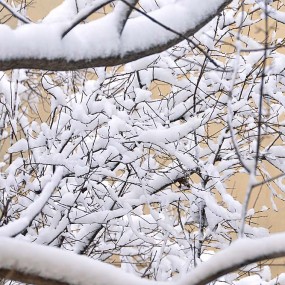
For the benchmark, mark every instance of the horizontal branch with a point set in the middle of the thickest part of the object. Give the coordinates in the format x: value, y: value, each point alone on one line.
x: 99, y: 43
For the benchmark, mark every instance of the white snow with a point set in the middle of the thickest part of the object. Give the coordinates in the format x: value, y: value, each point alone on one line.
x: 56, y: 264
x: 64, y: 266
x: 15, y: 227
x: 100, y: 38
x: 238, y: 253
x: 20, y: 145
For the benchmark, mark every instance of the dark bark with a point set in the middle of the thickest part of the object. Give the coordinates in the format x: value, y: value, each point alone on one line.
x: 61, y: 64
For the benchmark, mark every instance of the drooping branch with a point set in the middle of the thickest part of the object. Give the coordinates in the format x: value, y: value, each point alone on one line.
x: 99, y: 43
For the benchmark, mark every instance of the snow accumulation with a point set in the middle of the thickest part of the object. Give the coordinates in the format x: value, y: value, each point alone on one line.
x: 52, y: 263
x: 64, y: 266
x: 100, y: 38
x: 17, y: 226
x: 241, y: 252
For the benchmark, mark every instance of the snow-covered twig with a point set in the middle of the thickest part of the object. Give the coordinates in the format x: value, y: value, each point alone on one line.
x: 84, y: 14
x: 18, y: 226
x: 242, y: 252
x: 15, y: 13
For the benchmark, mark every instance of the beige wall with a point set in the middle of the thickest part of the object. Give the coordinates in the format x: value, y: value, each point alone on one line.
x: 41, y: 8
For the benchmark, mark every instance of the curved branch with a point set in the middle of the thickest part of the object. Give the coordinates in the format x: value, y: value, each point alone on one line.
x: 124, y: 12
x: 99, y: 43
x: 37, y: 264
x: 241, y: 253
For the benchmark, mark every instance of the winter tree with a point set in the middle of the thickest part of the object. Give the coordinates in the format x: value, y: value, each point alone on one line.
x: 124, y: 134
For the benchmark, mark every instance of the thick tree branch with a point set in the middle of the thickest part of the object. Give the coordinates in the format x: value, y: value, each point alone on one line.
x: 32, y: 263
x: 36, y: 264
x: 105, y: 47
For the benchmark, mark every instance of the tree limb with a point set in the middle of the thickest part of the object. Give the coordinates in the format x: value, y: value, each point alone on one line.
x: 36, y: 264
x: 105, y: 47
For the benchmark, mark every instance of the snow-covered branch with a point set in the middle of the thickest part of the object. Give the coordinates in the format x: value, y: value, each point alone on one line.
x: 27, y: 216
x: 99, y: 43
x: 241, y: 253
x: 142, y: 166
x: 36, y: 264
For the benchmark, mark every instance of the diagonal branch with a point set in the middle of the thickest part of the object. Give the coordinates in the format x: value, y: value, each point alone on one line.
x: 15, y: 13
x: 84, y: 14
x: 27, y: 216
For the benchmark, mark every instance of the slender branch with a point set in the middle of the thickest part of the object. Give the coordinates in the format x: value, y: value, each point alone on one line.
x: 253, y: 173
x: 246, y: 202
x: 259, y: 123
x: 15, y: 13
x: 239, y: 254
x: 84, y: 14
x: 268, y: 180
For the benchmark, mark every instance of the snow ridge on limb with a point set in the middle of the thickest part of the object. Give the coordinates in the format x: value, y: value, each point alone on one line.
x: 40, y: 46
x: 37, y: 264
